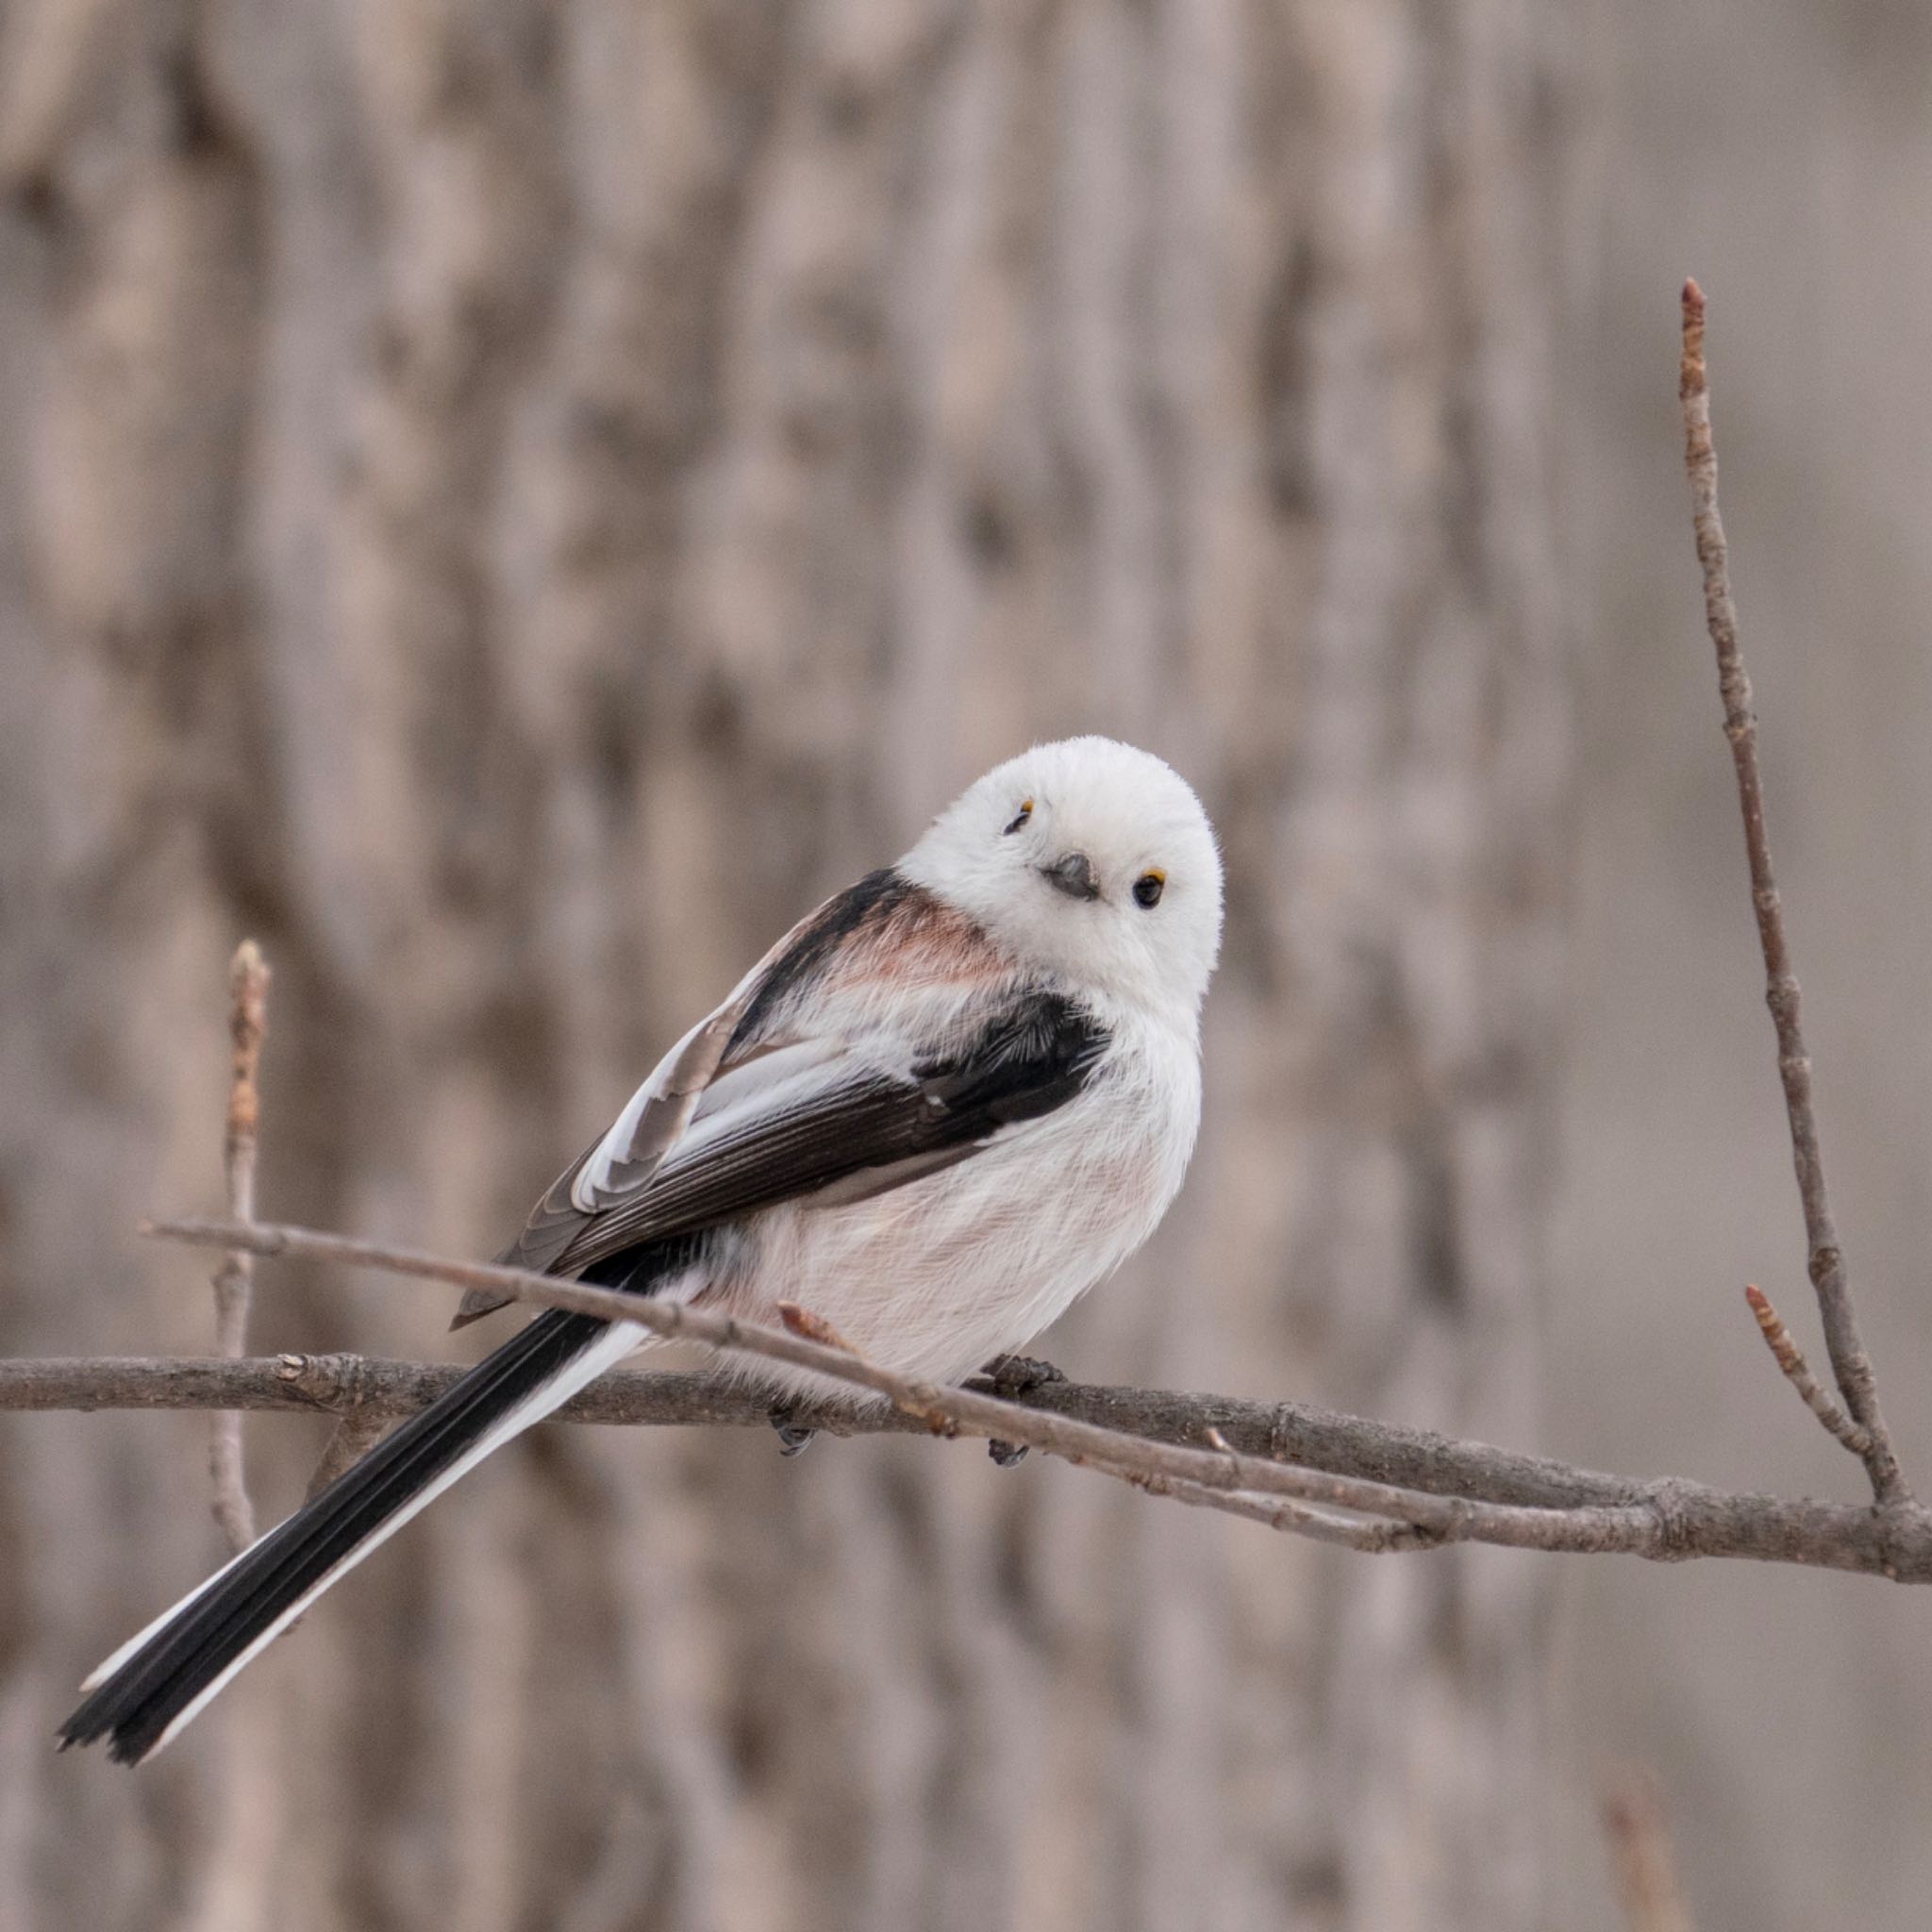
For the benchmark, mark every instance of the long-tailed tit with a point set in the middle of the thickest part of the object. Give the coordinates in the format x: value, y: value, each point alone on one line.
x: 938, y: 1111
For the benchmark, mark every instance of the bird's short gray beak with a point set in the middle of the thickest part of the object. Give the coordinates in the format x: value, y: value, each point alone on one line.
x: 1073, y: 876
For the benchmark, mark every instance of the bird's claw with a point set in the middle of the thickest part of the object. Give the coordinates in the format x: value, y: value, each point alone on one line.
x: 1020, y: 1375
x: 1011, y: 1376
x: 791, y: 1438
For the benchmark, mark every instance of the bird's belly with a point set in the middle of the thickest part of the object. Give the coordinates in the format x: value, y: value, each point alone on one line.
x: 936, y: 1277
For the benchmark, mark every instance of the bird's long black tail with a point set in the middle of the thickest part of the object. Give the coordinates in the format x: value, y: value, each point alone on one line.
x: 150, y: 1687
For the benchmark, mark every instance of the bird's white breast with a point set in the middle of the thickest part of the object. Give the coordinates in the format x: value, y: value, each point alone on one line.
x: 935, y: 1277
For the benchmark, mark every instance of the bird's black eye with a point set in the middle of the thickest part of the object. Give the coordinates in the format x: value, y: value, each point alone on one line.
x: 1147, y: 888
x: 1019, y: 817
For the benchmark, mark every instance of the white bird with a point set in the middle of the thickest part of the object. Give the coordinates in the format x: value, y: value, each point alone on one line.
x: 943, y: 1106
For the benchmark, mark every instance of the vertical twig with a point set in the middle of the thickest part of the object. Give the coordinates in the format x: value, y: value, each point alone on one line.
x: 1850, y: 1365
x: 357, y: 1432
x: 234, y: 1280
x: 1640, y: 1849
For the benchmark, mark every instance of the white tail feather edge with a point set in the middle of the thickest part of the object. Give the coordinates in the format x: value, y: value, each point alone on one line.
x: 109, y: 1665
x: 579, y: 1372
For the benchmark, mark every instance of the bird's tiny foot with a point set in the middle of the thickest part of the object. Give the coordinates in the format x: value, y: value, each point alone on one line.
x: 791, y: 1438
x: 1011, y: 1375
x: 1020, y: 1375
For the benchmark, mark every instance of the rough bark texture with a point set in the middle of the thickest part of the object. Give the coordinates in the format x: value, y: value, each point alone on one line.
x: 509, y: 502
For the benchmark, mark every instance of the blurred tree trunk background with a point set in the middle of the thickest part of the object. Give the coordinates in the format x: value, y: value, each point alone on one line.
x: 508, y: 504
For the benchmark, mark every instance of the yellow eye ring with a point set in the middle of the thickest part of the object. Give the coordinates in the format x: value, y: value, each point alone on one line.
x: 1147, y: 888
x: 1019, y: 817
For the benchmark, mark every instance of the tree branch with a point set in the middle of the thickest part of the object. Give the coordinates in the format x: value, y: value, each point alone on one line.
x: 964, y: 1412
x: 1850, y: 1365
x: 1452, y: 1490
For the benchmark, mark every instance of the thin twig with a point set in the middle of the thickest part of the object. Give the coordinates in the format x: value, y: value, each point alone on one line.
x: 1641, y: 1847
x: 1850, y: 1365
x: 1816, y: 1397
x: 1372, y: 1536
x: 1692, y: 1519
x: 248, y: 977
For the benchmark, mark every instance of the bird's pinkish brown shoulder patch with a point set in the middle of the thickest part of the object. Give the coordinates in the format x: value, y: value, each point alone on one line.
x: 915, y: 939
x: 885, y: 929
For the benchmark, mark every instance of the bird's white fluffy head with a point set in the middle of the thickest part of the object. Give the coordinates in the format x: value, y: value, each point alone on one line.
x: 1046, y: 852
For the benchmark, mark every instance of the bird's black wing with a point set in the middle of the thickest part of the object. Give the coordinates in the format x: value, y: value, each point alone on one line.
x: 856, y: 1124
